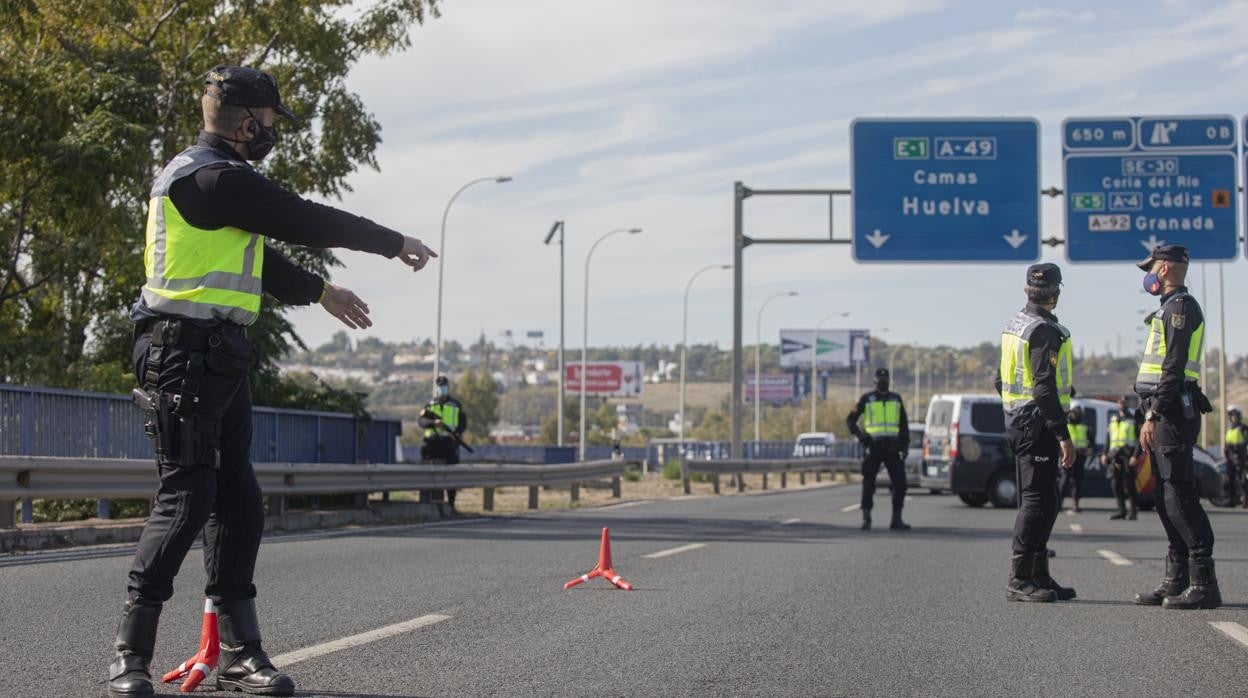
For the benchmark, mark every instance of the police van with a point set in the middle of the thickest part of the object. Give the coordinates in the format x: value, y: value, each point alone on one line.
x: 964, y: 449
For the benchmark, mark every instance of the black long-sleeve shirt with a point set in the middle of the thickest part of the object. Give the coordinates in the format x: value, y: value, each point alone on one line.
x: 221, y: 195
x: 1046, y: 344
x: 1180, y: 315
x: 903, y: 436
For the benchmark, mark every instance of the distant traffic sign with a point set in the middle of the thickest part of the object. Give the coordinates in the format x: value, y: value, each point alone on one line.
x: 945, y: 190
x: 1133, y: 183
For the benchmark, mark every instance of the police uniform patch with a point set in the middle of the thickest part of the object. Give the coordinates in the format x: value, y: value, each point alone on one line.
x: 1053, y: 359
x: 1178, y: 320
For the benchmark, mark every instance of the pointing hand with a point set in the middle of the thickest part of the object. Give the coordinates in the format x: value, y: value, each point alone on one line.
x: 414, y: 253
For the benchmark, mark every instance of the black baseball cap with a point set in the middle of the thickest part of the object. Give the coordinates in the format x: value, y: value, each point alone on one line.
x: 1044, y: 275
x: 442, y: 381
x: 245, y: 87
x: 881, y: 373
x: 1164, y: 253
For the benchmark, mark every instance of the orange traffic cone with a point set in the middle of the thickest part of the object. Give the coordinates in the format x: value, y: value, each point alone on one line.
x: 604, y: 568
x: 197, y: 668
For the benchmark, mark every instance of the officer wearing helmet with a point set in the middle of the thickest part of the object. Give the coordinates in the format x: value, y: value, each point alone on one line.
x: 1236, y: 454
x: 444, y: 422
x: 885, y: 436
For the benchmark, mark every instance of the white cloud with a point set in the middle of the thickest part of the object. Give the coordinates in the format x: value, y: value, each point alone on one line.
x: 1047, y: 14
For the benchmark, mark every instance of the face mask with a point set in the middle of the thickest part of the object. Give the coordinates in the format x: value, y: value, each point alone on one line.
x: 1152, y: 284
x: 443, y: 391
x: 881, y: 385
x: 263, y: 138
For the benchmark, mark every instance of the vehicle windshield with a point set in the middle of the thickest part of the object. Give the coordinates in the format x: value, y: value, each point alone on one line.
x: 940, y: 416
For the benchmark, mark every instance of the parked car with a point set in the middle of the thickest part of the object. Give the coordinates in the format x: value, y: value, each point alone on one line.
x: 964, y: 452
x: 914, y: 459
x: 814, y: 444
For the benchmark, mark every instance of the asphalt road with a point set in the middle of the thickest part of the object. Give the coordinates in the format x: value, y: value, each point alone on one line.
x: 784, y: 596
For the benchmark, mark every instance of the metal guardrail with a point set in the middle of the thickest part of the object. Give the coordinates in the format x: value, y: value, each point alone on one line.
x: 784, y: 466
x: 39, y: 477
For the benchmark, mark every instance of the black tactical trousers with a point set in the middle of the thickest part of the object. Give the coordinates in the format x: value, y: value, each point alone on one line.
x: 1177, y: 493
x: 1122, y: 477
x: 1037, y: 458
x: 886, y: 452
x: 223, y: 501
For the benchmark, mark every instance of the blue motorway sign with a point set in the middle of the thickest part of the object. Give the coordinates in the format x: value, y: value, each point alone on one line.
x: 1133, y: 183
x: 945, y: 190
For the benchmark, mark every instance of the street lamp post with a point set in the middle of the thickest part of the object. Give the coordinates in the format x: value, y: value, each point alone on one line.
x: 558, y: 227
x: 585, y: 330
x: 758, y: 360
x: 684, y: 346
x: 814, y: 362
x: 437, y: 347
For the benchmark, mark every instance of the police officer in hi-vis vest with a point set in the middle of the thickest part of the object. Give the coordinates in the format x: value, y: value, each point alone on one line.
x: 207, y: 266
x: 1085, y: 444
x: 1168, y: 384
x: 1236, y: 453
x: 444, y: 422
x: 1122, y: 457
x: 1034, y: 381
x: 885, y: 436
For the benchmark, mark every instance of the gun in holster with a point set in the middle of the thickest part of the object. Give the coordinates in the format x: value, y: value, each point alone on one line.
x: 180, y: 439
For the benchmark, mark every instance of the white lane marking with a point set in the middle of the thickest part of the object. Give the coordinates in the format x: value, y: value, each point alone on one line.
x: 1077, y: 528
x: 625, y: 505
x: 909, y: 498
x: 676, y: 551
x: 852, y: 507
x: 357, y: 640
x: 1235, y: 631
x: 1114, y: 558
x: 788, y: 522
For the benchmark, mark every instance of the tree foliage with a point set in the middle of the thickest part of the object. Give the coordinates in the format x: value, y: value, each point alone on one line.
x: 478, y: 392
x: 95, y: 96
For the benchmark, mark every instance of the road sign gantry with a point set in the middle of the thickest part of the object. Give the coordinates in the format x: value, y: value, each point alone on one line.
x: 945, y: 190
x: 1135, y: 182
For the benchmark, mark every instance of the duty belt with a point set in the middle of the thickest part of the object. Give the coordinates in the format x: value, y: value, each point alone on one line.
x: 178, y: 332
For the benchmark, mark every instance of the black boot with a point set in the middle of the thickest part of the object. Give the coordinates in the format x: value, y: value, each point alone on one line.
x: 1122, y: 513
x: 130, y: 674
x: 1131, y: 516
x: 1203, y: 591
x: 1077, y: 509
x: 1023, y: 585
x: 866, y: 519
x: 243, y: 665
x: 898, y: 524
x: 1172, y: 584
x: 1044, y: 580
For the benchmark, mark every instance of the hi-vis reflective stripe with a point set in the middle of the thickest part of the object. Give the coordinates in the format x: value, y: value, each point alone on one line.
x: 1016, y: 372
x: 224, y: 280
x: 1155, y: 351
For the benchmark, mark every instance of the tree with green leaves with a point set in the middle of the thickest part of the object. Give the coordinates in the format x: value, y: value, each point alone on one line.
x: 478, y: 393
x: 95, y: 97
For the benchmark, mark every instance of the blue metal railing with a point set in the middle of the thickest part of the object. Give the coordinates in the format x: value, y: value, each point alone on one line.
x: 55, y: 422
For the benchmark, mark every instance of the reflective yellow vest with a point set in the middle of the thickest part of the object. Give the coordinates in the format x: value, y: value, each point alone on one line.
x: 1121, y: 432
x: 882, y: 417
x: 1235, y: 435
x: 1078, y: 435
x: 448, y: 412
x: 1017, y: 376
x: 1155, y: 351
x: 195, y: 273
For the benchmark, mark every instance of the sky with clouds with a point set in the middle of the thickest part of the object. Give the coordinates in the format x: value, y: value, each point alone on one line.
x: 643, y: 113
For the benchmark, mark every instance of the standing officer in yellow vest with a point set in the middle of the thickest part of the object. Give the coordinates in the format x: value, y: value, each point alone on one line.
x: 444, y: 422
x: 1168, y: 384
x: 885, y: 436
x: 1085, y: 445
x: 1035, y: 386
x: 1122, y: 457
x: 1236, y: 453
x: 207, y: 266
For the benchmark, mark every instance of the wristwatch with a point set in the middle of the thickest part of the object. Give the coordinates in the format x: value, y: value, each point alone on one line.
x: 1151, y: 416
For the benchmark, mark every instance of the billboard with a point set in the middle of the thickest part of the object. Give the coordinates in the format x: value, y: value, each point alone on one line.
x: 775, y: 388
x: 836, y: 348
x: 606, y: 378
